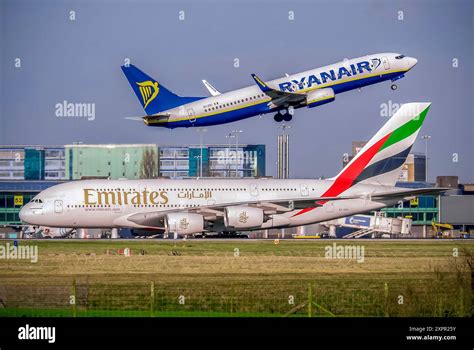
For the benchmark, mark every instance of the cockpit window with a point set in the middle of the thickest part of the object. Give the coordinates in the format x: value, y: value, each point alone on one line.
x: 37, y: 200
x: 399, y: 57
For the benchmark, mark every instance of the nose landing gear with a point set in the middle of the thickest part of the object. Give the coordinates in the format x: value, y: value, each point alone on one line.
x: 393, y: 87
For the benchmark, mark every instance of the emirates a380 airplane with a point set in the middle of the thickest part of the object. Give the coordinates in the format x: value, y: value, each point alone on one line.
x: 311, y: 88
x: 185, y: 207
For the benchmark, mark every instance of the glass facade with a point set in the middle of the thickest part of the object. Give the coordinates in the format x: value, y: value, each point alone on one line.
x: 15, y: 194
x: 10, y: 206
x: 422, y: 210
x: 174, y: 162
x: 217, y: 161
x: 32, y: 163
x: 55, y: 164
x: 12, y: 161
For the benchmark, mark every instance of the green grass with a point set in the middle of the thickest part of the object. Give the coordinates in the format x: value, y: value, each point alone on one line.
x: 121, y: 313
x: 237, y: 278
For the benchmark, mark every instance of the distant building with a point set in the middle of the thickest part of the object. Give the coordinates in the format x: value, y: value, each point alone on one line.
x: 217, y: 161
x: 414, y: 168
x: 173, y: 162
x: 130, y: 161
x: 29, y: 162
x: 113, y: 161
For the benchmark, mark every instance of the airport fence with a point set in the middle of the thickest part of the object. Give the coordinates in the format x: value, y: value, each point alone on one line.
x: 436, y: 295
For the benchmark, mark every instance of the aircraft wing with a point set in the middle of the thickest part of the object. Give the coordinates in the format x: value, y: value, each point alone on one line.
x: 406, y: 193
x: 215, y: 212
x: 279, y: 98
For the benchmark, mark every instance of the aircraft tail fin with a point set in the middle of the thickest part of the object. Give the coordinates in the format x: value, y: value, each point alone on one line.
x: 380, y: 161
x: 153, y: 97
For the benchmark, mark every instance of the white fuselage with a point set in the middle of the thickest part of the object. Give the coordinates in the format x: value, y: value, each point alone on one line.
x: 110, y: 203
x: 250, y: 101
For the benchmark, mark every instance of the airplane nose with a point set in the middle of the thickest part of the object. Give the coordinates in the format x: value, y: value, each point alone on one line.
x: 412, y: 62
x: 23, y: 213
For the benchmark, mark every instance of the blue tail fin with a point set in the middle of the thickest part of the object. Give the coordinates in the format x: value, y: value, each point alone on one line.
x: 153, y: 97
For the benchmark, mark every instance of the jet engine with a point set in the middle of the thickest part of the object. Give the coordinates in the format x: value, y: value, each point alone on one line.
x: 184, y: 223
x: 240, y: 217
x: 319, y: 97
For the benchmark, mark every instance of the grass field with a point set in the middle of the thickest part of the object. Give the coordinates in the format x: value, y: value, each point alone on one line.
x: 238, y: 278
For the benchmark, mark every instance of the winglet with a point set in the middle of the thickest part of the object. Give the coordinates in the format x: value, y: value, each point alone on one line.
x: 264, y: 87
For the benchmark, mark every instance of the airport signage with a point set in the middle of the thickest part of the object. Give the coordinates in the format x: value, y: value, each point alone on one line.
x: 358, y: 220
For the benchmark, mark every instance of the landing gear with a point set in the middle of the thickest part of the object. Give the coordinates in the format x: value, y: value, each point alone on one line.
x: 278, y: 117
x: 394, y: 87
x: 283, y: 117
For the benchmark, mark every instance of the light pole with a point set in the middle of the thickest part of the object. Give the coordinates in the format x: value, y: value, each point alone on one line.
x: 200, y: 131
x: 426, y: 138
x: 228, y: 136
x: 236, y: 133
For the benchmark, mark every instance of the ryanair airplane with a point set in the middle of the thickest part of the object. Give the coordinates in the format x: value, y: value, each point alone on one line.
x: 280, y: 96
x: 194, y: 206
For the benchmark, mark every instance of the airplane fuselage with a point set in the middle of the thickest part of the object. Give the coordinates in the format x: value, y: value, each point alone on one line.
x: 112, y: 203
x: 251, y: 101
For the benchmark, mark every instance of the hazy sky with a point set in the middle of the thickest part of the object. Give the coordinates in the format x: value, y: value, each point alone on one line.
x: 79, y: 61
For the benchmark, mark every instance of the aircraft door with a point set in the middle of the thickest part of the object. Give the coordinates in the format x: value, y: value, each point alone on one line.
x: 254, y: 190
x: 386, y: 63
x: 58, y: 206
x: 191, y: 115
x: 329, y: 207
x: 304, y: 190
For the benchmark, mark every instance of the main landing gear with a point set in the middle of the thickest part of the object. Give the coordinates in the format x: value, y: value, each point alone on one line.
x: 279, y: 117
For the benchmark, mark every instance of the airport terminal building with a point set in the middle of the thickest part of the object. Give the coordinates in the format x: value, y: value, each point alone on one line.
x: 28, y: 169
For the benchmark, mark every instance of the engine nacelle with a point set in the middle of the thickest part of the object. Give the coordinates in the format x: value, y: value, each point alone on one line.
x: 184, y: 223
x: 320, y: 97
x: 243, y: 217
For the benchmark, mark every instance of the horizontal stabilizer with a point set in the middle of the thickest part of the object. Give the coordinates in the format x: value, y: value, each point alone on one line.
x: 151, y: 119
x: 137, y: 119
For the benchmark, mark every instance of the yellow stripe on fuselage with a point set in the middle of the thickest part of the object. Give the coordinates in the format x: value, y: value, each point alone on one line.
x: 268, y: 100
x: 213, y: 113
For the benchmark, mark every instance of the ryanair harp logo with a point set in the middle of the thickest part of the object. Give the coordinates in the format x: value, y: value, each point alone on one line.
x: 149, y: 90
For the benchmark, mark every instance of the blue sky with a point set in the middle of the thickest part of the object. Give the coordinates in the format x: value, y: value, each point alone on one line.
x: 79, y: 61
